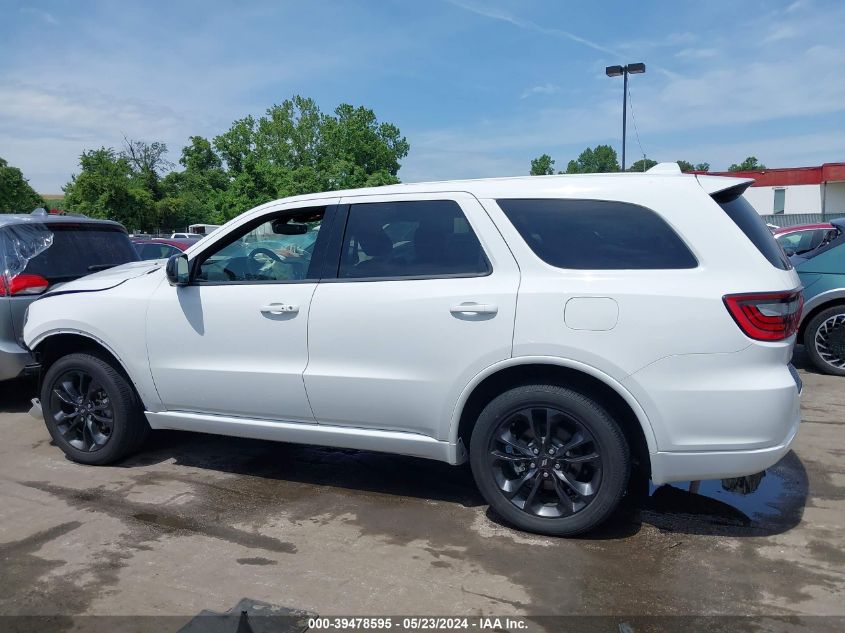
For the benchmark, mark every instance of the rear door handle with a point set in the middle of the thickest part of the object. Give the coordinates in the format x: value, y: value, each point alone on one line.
x: 471, y: 307
x: 279, y: 308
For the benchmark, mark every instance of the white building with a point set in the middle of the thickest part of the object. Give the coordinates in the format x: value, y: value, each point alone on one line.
x: 793, y: 190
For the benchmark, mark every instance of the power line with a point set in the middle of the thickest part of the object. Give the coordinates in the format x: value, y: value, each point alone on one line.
x: 634, y: 121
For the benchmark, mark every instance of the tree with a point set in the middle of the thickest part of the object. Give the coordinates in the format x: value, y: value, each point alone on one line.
x: 702, y: 167
x: 602, y: 159
x: 543, y: 165
x: 685, y: 165
x: 644, y: 164
x: 293, y: 148
x: 107, y: 187
x: 749, y: 164
x: 16, y: 196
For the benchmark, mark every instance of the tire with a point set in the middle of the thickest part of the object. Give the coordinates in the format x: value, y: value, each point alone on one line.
x: 107, y: 424
x: 824, y: 338
x: 582, y: 466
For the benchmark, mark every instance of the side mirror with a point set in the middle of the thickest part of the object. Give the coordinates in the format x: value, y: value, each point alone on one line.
x: 177, y: 270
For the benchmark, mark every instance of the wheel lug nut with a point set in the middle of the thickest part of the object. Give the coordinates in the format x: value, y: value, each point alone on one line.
x: 545, y: 474
x: 557, y: 466
x: 536, y: 451
x: 533, y: 465
x: 551, y: 451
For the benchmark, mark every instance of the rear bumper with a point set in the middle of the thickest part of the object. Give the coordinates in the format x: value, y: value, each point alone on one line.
x: 694, y: 466
x: 14, y: 360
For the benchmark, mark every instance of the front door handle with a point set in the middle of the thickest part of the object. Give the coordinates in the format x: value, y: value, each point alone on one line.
x: 279, y: 308
x: 471, y: 307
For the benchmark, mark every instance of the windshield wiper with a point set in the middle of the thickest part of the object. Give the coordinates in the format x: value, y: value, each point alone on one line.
x: 97, y: 267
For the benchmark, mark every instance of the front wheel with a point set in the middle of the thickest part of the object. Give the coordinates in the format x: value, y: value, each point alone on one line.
x: 549, y: 459
x: 824, y: 339
x: 91, y: 409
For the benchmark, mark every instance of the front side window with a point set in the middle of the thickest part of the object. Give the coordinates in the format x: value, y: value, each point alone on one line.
x: 597, y: 234
x: 279, y: 248
x: 430, y: 238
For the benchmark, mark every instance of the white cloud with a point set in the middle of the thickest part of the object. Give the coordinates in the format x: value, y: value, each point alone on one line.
x: 697, y: 53
x: 504, y: 16
x: 542, y: 89
x: 41, y: 15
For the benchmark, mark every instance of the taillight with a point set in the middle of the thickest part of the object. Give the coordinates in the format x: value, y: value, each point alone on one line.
x: 767, y: 316
x: 23, y: 285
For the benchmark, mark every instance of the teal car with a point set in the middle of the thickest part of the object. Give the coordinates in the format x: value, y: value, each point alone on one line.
x: 822, y: 272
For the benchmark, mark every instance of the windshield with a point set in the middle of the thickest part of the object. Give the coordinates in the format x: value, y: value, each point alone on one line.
x: 831, y: 238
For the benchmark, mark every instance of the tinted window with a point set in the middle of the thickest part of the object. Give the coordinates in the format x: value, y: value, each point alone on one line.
x: 410, y: 239
x: 749, y: 221
x: 262, y: 251
x: 597, y: 235
x: 831, y: 238
x: 80, y: 249
x: 156, y: 251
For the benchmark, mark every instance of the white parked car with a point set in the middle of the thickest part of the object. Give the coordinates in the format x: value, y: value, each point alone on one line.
x: 558, y: 332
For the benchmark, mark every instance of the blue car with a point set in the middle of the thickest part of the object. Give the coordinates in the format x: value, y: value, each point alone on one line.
x: 822, y: 272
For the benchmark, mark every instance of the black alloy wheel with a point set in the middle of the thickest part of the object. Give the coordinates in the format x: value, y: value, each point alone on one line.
x: 549, y: 459
x: 82, y: 410
x: 545, y: 462
x: 91, y: 409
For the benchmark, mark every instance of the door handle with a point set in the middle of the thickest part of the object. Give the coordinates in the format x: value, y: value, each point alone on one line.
x: 279, y: 308
x: 471, y: 307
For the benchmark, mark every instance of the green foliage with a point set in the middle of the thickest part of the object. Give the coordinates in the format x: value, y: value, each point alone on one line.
x: 685, y: 165
x: 602, y: 159
x: 16, y: 196
x: 749, y: 164
x: 702, y: 167
x: 107, y: 187
x: 543, y: 165
x: 292, y: 149
x: 644, y: 164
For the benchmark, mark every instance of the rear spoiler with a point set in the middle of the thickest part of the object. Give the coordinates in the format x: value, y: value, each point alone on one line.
x: 723, y: 188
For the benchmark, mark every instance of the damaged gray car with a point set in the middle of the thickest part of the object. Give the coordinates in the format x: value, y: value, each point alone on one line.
x: 38, y: 251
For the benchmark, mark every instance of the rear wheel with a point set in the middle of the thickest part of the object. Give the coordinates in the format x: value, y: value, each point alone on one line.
x: 91, y: 410
x: 824, y: 339
x: 549, y: 459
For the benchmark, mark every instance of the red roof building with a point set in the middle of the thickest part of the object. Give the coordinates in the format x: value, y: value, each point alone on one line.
x: 792, y: 190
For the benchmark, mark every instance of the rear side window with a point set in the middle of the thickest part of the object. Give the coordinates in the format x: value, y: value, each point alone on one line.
x: 81, y: 249
x: 749, y: 221
x: 430, y: 238
x: 597, y: 235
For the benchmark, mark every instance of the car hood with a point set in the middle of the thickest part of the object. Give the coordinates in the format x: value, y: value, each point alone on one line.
x: 109, y: 278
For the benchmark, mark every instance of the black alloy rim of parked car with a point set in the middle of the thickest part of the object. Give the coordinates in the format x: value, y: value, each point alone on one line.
x: 82, y: 410
x: 545, y: 462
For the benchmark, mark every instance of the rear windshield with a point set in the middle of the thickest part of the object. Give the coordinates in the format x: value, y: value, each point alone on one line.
x: 81, y: 249
x: 749, y: 221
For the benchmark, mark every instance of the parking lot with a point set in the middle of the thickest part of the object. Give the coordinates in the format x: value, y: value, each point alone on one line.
x: 198, y: 522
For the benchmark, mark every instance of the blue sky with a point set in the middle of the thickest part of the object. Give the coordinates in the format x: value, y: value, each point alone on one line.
x: 478, y: 88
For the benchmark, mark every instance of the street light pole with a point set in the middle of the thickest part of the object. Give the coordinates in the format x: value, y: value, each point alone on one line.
x: 615, y: 71
x: 624, y: 114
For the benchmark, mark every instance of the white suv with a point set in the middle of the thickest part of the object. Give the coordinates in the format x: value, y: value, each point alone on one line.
x: 560, y: 332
